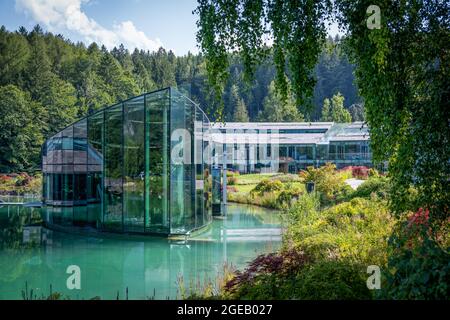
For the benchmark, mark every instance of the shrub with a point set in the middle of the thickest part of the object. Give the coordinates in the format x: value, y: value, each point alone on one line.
x: 377, y: 185
x: 346, y: 173
x: 418, y: 267
x: 267, y: 276
x: 231, y: 180
x: 267, y: 199
x: 332, y: 280
x: 288, y: 197
x: 328, y: 182
x: 267, y: 185
x: 360, y: 172
x: 357, y: 230
x: 293, y: 275
x: 231, y: 173
x: 240, y: 197
x: 373, y: 172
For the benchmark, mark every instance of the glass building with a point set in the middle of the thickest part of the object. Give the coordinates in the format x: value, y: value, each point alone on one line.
x: 134, y: 167
x: 254, y: 147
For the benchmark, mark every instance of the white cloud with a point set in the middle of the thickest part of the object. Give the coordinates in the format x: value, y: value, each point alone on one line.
x: 60, y: 15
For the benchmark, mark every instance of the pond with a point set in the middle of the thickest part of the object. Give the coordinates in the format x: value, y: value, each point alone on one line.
x: 34, y: 257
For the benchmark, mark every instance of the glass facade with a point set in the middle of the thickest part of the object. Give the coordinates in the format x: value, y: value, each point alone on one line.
x: 290, y: 147
x: 135, y: 167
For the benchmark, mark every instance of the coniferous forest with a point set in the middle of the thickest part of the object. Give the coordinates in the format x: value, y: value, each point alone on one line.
x: 47, y: 82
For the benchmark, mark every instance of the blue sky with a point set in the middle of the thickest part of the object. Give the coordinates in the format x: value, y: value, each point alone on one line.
x: 146, y: 24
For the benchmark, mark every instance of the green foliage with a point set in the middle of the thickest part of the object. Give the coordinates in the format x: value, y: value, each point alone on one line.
x: 241, y: 114
x: 357, y: 230
x: 231, y: 180
x: 294, y: 275
x: 327, y: 180
x: 21, y: 126
x: 289, y: 195
x: 334, y: 74
x: 267, y: 185
x: 297, y: 27
x: 377, y: 185
x: 332, y: 280
x: 419, y: 267
x: 275, y: 109
x: 334, y: 111
x: 357, y: 112
x: 403, y: 76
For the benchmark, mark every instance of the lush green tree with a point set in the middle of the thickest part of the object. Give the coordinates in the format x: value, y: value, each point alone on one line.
x: 56, y: 95
x: 403, y: 75
x: 14, y: 53
x: 334, y: 110
x: 162, y: 68
x: 297, y: 28
x: 275, y: 109
x: 231, y: 98
x: 241, y: 114
x: 20, y: 130
x: 357, y: 112
x: 326, y: 110
x: 334, y: 73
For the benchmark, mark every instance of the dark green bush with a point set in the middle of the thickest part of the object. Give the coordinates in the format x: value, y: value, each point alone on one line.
x: 332, y: 280
x: 418, y: 266
x: 292, y: 275
x: 377, y: 185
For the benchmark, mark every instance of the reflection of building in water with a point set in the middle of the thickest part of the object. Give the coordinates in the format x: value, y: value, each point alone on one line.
x: 37, y: 235
x: 109, y: 265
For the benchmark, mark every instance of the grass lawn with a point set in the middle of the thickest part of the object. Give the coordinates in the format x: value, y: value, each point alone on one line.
x: 253, y: 178
x: 244, y: 188
x: 244, y: 184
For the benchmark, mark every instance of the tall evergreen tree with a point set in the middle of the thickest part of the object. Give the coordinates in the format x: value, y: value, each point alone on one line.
x: 241, y: 114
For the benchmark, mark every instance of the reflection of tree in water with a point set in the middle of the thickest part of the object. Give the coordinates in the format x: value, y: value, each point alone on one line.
x: 15, y: 254
x: 12, y: 227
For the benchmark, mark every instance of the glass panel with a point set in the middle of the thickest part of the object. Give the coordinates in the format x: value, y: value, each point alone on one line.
x: 112, y: 219
x: 80, y: 172
x: 157, y: 106
x: 199, y: 167
x: 182, y: 169
x: 134, y: 165
x: 207, y: 160
x: 95, y: 169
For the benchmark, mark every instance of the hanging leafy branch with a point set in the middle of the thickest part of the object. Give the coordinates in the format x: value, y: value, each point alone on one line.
x: 403, y: 74
x: 296, y: 29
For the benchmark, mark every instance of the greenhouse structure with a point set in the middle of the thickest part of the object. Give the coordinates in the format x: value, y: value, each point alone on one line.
x: 134, y: 167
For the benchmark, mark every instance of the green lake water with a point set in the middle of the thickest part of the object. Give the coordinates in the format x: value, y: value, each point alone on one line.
x: 149, y: 267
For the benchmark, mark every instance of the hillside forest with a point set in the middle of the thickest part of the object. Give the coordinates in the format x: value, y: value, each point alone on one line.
x: 48, y: 81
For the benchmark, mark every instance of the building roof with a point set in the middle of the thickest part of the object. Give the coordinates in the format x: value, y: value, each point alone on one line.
x: 288, y: 133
